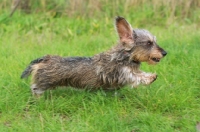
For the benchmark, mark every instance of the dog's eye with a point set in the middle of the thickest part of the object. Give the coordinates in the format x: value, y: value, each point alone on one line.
x: 149, y: 43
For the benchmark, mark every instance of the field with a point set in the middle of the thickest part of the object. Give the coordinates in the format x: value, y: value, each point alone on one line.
x: 170, y: 104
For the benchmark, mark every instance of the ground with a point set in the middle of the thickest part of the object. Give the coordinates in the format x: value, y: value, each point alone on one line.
x: 170, y: 104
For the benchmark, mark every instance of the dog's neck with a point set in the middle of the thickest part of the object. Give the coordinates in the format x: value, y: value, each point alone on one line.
x: 117, y: 56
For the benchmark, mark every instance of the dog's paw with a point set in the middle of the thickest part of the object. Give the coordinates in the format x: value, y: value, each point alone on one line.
x: 153, y: 77
x: 148, y: 78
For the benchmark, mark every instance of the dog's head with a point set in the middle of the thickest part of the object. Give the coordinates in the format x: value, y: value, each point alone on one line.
x: 139, y: 43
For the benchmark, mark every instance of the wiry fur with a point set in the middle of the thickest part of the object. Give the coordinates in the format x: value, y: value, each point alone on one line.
x: 108, y: 70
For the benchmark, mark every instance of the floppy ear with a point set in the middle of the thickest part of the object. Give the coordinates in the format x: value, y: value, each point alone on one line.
x: 125, y: 32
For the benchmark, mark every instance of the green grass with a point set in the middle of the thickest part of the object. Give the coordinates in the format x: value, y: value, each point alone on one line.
x: 170, y: 104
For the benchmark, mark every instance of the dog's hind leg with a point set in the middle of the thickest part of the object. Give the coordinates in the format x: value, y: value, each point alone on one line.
x: 37, y: 92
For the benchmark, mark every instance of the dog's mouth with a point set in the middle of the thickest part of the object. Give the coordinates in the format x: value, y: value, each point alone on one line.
x: 155, y: 59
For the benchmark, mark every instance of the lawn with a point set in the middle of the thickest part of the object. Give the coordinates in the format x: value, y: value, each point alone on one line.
x: 170, y: 104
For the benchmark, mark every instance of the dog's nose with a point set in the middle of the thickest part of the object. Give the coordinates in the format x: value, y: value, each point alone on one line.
x: 164, y: 53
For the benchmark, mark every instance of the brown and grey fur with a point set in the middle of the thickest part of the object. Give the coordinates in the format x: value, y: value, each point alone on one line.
x: 112, y: 69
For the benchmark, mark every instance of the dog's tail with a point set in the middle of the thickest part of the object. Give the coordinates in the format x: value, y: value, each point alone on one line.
x: 29, y: 69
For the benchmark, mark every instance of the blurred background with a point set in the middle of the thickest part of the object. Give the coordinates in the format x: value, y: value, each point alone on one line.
x: 154, y: 12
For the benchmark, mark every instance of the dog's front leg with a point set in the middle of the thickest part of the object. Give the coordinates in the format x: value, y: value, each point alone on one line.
x: 148, y: 78
x: 143, y: 78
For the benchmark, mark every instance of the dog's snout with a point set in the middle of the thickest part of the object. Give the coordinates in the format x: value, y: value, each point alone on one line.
x: 164, y: 53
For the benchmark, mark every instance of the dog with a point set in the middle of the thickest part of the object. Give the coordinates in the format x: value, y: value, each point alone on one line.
x: 109, y: 70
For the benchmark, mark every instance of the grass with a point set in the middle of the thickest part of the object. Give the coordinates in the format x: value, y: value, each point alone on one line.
x: 170, y: 104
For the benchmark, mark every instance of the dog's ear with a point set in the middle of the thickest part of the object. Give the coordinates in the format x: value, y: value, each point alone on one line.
x: 125, y: 32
